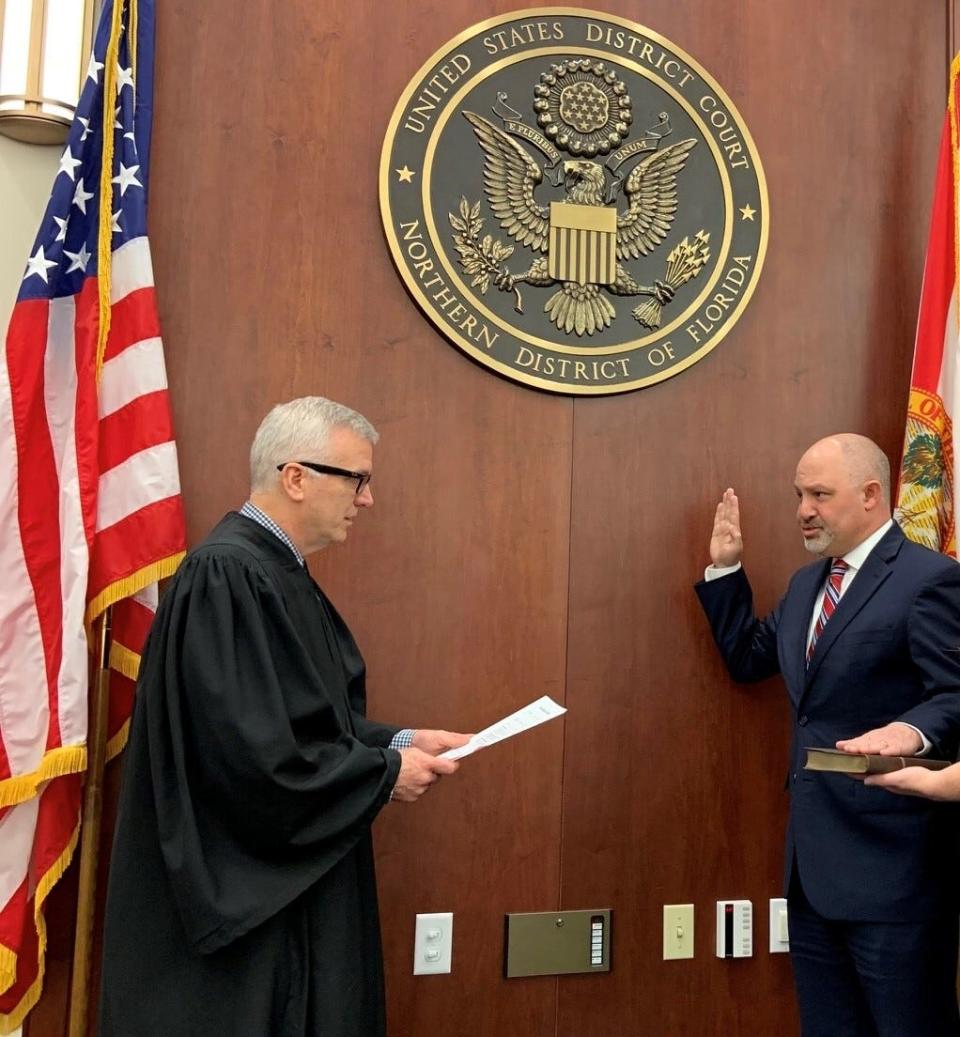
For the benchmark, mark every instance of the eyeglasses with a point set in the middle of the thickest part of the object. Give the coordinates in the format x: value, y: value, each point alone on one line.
x: 363, y: 478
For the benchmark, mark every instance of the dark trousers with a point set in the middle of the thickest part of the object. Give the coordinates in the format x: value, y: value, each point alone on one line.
x: 873, y: 979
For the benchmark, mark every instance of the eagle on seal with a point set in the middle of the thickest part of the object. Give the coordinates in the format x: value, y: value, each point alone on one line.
x: 510, y: 177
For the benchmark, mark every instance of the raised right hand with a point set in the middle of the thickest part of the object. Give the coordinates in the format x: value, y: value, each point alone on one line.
x: 726, y: 543
x: 418, y: 771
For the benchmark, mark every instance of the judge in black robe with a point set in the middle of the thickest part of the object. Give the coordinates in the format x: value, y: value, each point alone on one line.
x: 242, y: 896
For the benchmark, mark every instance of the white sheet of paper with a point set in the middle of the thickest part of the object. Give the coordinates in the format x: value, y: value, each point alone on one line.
x: 530, y: 716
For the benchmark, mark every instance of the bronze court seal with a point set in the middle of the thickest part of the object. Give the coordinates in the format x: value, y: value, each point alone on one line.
x: 573, y: 201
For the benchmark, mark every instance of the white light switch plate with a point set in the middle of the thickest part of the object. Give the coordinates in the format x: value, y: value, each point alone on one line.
x: 433, y: 944
x: 779, y: 928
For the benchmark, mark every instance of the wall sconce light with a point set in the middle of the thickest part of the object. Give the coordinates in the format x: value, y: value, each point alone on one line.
x: 44, y: 48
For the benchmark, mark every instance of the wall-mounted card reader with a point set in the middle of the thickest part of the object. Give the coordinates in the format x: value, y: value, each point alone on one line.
x: 557, y: 943
x: 734, y: 929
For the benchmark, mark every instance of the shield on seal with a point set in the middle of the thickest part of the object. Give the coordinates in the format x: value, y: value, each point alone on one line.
x: 583, y: 243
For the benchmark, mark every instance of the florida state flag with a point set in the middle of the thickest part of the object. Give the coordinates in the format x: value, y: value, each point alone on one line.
x: 928, y: 472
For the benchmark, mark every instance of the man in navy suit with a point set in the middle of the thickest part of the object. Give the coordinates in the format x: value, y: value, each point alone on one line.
x: 865, y: 638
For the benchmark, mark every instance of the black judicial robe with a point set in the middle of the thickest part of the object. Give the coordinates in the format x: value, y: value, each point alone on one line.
x: 242, y: 895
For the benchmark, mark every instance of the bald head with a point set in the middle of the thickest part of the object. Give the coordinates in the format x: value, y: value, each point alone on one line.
x: 862, y: 458
x: 843, y: 487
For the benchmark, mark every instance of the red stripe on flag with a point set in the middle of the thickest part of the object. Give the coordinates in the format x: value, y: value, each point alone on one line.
x: 939, y: 275
x: 152, y: 533
x: 142, y: 423
x: 131, y: 624
x: 132, y: 319
x: 58, y: 819
x: 13, y: 920
x: 27, y: 953
x: 39, y: 496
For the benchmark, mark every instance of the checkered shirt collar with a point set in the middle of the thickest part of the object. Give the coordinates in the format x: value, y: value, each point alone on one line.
x: 251, y: 511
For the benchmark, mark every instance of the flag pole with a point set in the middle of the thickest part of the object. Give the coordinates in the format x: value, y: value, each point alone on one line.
x: 951, y: 36
x: 91, y: 820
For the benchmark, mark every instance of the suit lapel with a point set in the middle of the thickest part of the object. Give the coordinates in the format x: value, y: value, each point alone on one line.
x: 874, y: 571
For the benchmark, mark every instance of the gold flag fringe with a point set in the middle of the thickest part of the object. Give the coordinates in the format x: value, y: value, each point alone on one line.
x: 118, y: 743
x: 56, y: 763
x: 105, y: 229
x: 124, y: 661
x: 13, y: 1019
x: 8, y: 968
x: 132, y: 584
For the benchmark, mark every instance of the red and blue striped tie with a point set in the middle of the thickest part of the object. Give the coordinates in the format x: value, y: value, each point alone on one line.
x: 831, y: 596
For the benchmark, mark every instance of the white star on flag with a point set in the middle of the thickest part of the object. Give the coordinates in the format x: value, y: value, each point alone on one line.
x: 68, y: 164
x: 117, y: 124
x: 93, y: 68
x: 124, y: 77
x: 85, y: 123
x: 126, y: 178
x: 80, y: 259
x: 62, y: 224
x: 115, y: 222
x: 81, y: 197
x: 38, y: 264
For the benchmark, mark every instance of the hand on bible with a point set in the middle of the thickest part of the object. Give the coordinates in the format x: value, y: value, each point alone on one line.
x: 437, y: 742
x: 726, y: 543
x: 917, y: 781
x: 418, y: 771
x: 895, y: 739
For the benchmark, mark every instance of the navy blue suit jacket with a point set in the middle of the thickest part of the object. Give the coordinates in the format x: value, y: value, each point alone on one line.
x: 891, y: 651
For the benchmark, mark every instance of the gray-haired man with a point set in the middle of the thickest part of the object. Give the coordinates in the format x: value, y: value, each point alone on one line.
x: 242, y: 894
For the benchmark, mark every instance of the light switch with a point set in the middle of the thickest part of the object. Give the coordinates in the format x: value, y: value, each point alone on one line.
x: 433, y: 944
x: 677, y: 931
x: 779, y: 926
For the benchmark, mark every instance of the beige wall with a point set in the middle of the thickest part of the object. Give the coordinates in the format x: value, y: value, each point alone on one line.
x: 26, y: 178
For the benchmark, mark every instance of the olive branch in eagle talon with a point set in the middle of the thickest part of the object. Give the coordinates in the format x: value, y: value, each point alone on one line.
x: 481, y: 258
x: 685, y: 261
x: 510, y: 177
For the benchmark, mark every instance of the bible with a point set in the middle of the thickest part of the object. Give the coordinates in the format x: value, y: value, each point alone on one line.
x: 865, y: 763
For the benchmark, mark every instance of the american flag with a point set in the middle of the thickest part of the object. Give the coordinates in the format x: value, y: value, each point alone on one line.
x: 90, y: 504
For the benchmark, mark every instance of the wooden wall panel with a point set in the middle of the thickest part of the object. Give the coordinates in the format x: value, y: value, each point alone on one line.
x: 685, y: 801
x: 524, y: 544
x: 455, y: 583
